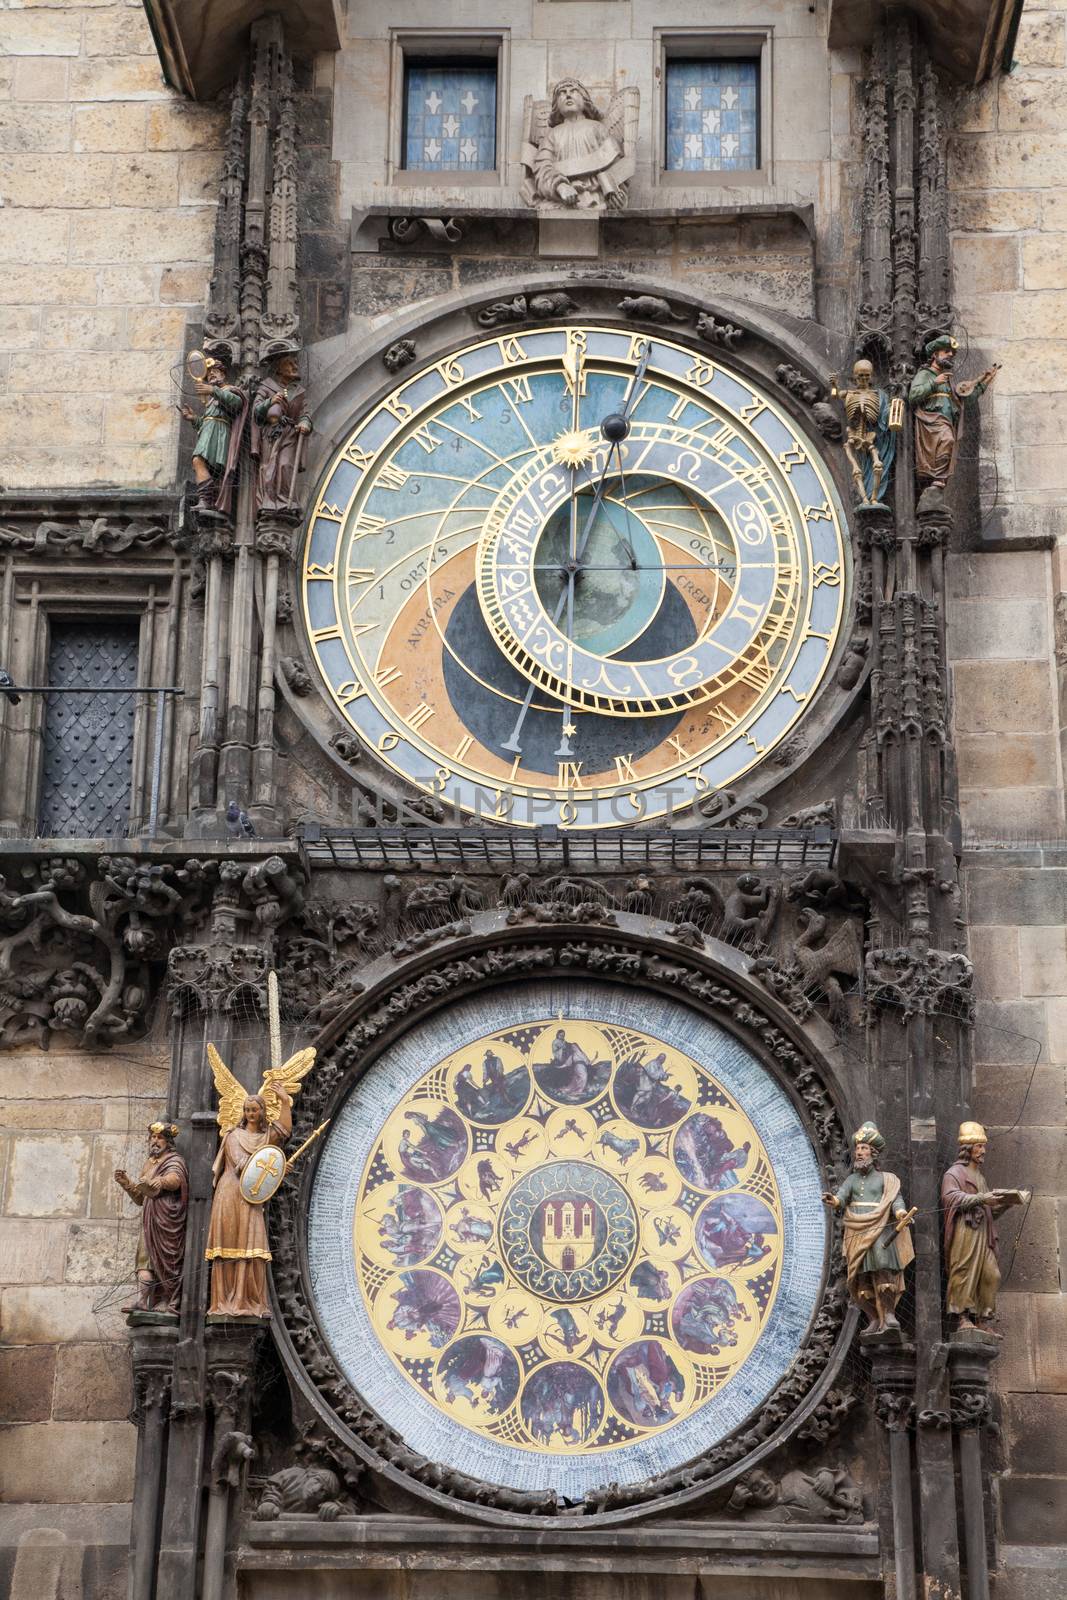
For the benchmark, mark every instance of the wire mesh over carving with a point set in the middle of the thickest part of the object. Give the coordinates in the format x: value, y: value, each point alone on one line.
x: 88, y: 739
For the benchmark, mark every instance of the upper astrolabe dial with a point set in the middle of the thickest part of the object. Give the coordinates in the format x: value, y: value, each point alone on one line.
x: 575, y: 575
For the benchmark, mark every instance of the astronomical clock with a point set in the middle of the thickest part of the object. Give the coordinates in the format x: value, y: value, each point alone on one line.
x: 574, y: 575
x: 562, y: 1246
x: 549, y: 1228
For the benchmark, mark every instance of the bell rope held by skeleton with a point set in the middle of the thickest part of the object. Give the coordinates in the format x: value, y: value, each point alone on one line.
x: 264, y: 1171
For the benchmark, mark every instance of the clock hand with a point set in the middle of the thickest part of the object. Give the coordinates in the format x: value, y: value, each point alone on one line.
x: 614, y: 428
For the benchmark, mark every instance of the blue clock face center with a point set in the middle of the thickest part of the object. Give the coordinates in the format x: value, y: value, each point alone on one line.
x: 619, y: 576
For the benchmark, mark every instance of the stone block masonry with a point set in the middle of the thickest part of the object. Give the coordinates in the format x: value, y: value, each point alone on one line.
x: 107, y: 203
x: 68, y: 1239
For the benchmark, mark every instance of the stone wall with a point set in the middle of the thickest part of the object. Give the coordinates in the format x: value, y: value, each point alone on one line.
x: 108, y: 183
x: 1005, y: 618
x: 67, y: 1241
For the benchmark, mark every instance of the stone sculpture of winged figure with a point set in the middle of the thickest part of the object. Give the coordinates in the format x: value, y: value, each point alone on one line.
x: 576, y: 155
x: 237, y: 1235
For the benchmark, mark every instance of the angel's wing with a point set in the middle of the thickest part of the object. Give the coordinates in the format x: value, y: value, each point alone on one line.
x: 289, y: 1076
x: 535, y: 114
x: 621, y: 116
x: 231, y: 1093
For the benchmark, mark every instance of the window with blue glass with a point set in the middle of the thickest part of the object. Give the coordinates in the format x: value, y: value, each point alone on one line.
x: 449, y: 116
x: 712, y: 115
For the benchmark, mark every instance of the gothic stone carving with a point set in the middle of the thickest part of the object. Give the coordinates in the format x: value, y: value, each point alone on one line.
x: 940, y: 981
x: 523, y: 307
x: 827, y: 1495
x: 575, y: 155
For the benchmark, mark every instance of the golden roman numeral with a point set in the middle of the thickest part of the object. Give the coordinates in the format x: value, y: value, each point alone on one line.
x: 676, y: 745
x: 568, y: 775
x: 462, y: 747
x: 726, y: 718
x: 427, y: 440
x: 470, y: 408
x: 392, y: 477
x: 744, y: 610
x: 757, y: 674
x: 387, y: 675
x: 365, y: 523
x: 624, y: 768
x: 678, y: 407
x: 518, y: 390
x: 422, y: 713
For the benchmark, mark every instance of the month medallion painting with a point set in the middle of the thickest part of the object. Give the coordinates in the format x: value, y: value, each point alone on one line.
x: 541, y: 624
x: 553, y: 1248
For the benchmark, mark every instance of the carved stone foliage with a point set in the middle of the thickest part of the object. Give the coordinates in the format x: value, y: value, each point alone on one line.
x: 932, y: 983
x: 84, y: 943
x: 503, y: 956
x: 77, y: 536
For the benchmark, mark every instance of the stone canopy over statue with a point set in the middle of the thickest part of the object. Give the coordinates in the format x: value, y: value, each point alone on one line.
x: 575, y: 155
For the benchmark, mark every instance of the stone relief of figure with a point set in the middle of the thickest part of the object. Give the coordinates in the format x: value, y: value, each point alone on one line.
x: 162, y: 1192
x: 871, y: 425
x: 219, y: 429
x: 280, y: 425
x: 574, y: 154
x: 938, y: 403
x: 237, y: 1233
x: 970, y: 1205
x: 877, y: 1240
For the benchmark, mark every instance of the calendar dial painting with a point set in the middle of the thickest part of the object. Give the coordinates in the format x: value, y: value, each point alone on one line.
x: 542, y: 625
x: 551, y: 1248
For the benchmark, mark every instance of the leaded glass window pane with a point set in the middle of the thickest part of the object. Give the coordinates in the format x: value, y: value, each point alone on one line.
x: 88, y: 739
x: 449, y: 117
x: 712, y: 116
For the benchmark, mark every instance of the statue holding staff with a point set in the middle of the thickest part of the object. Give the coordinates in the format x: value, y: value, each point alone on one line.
x: 162, y: 1192
x: 939, y: 403
x: 877, y: 1240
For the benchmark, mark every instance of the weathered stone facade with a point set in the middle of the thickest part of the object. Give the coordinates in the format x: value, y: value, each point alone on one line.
x: 110, y: 182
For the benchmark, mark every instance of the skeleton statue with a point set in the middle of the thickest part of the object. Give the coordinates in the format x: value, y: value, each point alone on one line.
x: 576, y: 155
x: 872, y: 421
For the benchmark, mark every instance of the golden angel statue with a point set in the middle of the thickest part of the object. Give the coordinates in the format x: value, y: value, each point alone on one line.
x: 237, y: 1234
x: 576, y: 155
